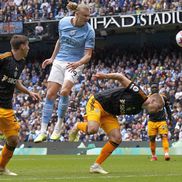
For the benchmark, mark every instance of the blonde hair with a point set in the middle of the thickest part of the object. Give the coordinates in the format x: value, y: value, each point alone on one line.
x: 72, y: 6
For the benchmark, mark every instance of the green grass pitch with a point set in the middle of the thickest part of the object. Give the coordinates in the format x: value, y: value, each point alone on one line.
x: 64, y: 168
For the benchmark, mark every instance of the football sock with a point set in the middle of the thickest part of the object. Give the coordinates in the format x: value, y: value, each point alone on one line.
x: 6, y: 155
x: 106, y: 151
x: 165, y: 144
x: 82, y: 126
x: 62, y: 108
x: 58, y: 125
x: 47, y: 113
x: 152, y: 147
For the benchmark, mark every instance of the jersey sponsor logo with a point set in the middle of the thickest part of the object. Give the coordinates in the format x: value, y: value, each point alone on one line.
x: 122, y: 106
x: 134, y: 87
x: 70, y: 41
x: 8, y: 79
x: 72, y: 33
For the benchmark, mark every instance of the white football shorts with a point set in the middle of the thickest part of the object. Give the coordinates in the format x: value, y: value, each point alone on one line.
x: 59, y: 73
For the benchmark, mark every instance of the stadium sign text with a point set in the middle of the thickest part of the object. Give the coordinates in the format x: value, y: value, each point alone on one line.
x: 124, y: 21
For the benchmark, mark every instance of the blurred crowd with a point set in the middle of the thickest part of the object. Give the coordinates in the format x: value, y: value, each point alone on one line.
x: 34, y: 10
x: 141, y: 66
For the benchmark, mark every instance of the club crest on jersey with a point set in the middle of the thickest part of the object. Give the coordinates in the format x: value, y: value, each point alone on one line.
x: 72, y: 32
x: 96, y: 110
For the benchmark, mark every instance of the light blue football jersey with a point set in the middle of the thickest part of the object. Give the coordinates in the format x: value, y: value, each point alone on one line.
x: 74, y: 40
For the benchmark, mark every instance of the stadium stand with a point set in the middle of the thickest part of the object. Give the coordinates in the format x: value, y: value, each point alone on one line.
x: 33, y: 10
x: 165, y: 64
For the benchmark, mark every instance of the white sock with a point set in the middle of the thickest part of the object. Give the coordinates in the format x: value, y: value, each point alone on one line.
x: 58, y: 126
x: 43, y: 128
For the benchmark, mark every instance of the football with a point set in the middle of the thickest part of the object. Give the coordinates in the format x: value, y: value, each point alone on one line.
x: 179, y: 38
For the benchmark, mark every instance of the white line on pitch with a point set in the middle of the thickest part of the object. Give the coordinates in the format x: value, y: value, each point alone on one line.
x: 86, y: 177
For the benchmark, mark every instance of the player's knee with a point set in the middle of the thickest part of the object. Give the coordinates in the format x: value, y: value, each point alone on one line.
x: 152, y: 138
x: 65, y: 92
x: 92, y: 129
x: 116, y: 138
x: 51, y: 95
x: 12, y: 141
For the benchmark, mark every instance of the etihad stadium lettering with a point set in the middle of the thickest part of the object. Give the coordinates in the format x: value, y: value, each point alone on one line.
x: 124, y: 21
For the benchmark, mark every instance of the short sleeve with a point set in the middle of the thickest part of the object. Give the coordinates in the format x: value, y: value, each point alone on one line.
x: 135, y: 89
x: 90, y: 40
x: 59, y: 28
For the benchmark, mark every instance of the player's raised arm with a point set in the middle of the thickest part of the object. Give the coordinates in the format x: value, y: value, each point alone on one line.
x: 115, y: 76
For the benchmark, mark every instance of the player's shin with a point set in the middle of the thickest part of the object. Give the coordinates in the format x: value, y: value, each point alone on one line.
x: 82, y: 126
x: 106, y: 151
x: 152, y: 147
x: 165, y: 143
x: 47, y: 113
x: 62, y: 108
x: 6, y: 155
x: 73, y: 134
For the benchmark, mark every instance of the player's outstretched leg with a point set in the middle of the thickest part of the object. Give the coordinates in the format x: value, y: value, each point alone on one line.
x: 165, y: 144
x: 152, y: 144
x: 73, y: 134
x: 5, y: 156
x: 62, y: 108
x: 46, y: 116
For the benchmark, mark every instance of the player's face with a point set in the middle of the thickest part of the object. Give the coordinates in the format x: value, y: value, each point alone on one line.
x: 25, y: 49
x: 83, y: 16
x: 149, y: 106
x: 152, y: 105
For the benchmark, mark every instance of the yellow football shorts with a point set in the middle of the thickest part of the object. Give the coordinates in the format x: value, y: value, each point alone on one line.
x: 95, y: 112
x: 155, y: 128
x: 8, y: 123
